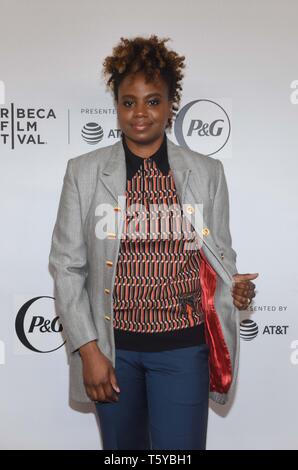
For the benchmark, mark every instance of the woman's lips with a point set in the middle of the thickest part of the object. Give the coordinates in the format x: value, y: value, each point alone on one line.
x: 140, y: 127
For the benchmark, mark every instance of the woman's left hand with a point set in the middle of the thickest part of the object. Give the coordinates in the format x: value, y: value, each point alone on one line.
x: 243, y: 290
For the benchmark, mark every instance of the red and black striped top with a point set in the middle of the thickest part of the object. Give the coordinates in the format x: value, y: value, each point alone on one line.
x: 157, y: 295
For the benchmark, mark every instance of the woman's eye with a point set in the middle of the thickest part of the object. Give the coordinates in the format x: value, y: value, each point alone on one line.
x: 127, y: 103
x: 154, y: 101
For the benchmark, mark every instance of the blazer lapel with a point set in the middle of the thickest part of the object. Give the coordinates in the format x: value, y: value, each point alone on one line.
x: 189, y: 190
x: 113, y: 175
x: 180, y: 170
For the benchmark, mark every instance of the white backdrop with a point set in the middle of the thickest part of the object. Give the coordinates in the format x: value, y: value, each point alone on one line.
x: 241, y: 56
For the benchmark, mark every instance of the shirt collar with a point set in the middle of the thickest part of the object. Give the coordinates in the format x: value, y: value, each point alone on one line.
x: 134, y: 162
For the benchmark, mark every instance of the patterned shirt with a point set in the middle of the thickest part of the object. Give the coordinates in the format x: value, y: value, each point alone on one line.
x: 157, y: 294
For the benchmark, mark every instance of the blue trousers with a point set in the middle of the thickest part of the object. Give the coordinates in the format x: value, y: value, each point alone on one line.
x: 163, y: 401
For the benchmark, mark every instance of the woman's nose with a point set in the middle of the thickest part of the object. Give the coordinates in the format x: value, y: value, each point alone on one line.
x: 140, y: 109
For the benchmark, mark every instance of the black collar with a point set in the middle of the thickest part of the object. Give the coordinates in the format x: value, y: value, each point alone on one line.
x: 134, y: 162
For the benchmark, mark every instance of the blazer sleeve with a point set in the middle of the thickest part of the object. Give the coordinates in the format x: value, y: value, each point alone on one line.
x: 68, y: 265
x: 221, y: 221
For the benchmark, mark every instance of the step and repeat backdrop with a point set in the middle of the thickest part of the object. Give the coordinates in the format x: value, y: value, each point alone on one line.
x: 240, y: 105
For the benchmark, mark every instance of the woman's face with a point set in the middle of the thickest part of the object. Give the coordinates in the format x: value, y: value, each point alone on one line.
x: 143, y: 109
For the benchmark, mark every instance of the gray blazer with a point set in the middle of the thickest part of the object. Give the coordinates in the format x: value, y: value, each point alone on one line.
x: 83, y: 264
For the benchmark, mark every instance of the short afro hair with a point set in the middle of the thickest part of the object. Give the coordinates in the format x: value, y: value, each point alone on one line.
x: 150, y: 56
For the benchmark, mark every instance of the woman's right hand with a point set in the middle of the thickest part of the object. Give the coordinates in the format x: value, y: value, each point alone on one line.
x: 98, y: 374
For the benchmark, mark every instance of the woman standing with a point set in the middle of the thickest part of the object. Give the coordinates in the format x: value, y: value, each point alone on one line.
x: 148, y: 296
